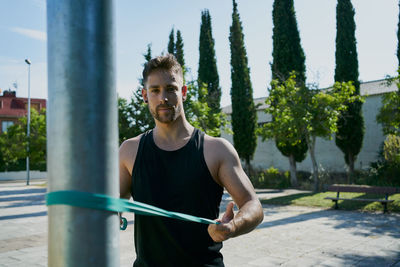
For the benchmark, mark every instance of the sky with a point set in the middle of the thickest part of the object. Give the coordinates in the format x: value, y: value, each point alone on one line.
x: 139, y: 23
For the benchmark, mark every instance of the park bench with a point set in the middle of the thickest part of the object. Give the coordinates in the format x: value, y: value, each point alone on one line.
x: 384, y: 190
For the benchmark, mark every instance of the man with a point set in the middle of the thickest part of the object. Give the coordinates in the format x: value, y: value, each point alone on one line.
x: 178, y: 168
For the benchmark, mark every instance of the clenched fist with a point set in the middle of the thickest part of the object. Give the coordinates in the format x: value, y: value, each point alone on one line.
x: 226, y: 228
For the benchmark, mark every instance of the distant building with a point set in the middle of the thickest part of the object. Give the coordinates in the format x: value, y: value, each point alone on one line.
x: 328, y: 155
x: 12, y: 108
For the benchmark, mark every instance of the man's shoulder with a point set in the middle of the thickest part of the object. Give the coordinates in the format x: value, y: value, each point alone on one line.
x: 218, y: 145
x: 132, y: 141
x: 130, y: 146
x: 216, y: 140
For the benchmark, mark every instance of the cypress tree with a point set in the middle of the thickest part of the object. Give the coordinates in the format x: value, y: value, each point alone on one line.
x: 288, y: 56
x: 179, y: 50
x: 287, y: 53
x: 351, y: 123
x: 171, y: 42
x: 147, y: 56
x: 398, y: 37
x: 207, y: 72
x: 244, y: 116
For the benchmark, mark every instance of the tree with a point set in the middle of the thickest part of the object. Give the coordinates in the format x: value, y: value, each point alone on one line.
x: 351, y: 123
x: 302, y: 113
x: 197, y: 111
x: 389, y: 113
x: 147, y: 56
x: 171, y: 42
x: 179, y: 54
x: 12, y: 146
x: 287, y: 53
x: 288, y: 56
x: 398, y: 39
x: 13, y: 143
x: 124, y: 120
x: 244, y: 116
x: 207, y: 72
x: 37, y: 137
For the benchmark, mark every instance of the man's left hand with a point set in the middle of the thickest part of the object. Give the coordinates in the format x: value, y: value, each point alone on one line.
x: 226, y: 228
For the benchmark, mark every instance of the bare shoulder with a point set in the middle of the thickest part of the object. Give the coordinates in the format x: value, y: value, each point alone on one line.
x: 128, y: 151
x: 219, y: 152
x: 219, y: 148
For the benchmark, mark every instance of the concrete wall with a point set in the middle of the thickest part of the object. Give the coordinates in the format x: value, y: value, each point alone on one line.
x: 21, y: 175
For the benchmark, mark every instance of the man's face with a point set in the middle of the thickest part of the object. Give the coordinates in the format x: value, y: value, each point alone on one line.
x: 164, y: 93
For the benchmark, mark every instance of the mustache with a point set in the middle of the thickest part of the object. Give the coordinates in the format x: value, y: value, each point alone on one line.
x: 162, y: 106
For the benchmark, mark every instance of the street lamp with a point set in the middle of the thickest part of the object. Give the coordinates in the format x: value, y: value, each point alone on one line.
x: 27, y: 61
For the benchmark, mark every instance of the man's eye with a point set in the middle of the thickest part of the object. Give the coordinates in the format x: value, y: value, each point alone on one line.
x: 171, y: 89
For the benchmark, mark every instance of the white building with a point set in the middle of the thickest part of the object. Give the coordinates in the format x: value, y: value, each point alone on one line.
x: 328, y: 155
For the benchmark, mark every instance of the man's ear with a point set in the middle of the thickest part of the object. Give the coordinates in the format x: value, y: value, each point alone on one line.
x: 144, y: 94
x: 184, y: 92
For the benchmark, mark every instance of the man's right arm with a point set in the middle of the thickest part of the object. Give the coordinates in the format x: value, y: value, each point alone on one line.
x: 127, y: 155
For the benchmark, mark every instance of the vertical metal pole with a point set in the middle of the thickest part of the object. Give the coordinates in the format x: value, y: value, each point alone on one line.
x: 82, y: 135
x: 28, y: 131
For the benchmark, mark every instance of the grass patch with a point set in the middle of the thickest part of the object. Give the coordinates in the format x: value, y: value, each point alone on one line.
x: 42, y: 185
x: 317, y: 200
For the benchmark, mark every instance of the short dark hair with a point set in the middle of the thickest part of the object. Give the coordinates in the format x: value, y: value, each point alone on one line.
x: 167, y: 62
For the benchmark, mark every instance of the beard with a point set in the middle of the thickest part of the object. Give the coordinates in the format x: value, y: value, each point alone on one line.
x: 166, y: 117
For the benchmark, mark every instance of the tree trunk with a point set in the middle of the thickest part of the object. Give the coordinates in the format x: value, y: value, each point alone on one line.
x: 350, y: 174
x: 293, y: 173
x: 248, y: 168
x: 311, y: 149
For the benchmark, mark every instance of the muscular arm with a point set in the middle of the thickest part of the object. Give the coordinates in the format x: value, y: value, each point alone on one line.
x: 127, y: 155
x: 231, y: 175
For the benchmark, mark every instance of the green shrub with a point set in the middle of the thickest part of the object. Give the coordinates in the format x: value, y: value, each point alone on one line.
x: 271, y: 178
x: 386, y: 170
x: 391, y: 150
x: 39, y: 166
x: 20, y: 165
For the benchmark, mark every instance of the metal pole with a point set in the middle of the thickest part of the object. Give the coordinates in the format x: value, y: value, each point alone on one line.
x: 82, y: 135
x: 28, y: 128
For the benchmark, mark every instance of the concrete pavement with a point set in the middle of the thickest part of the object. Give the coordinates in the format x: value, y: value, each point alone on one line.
x: 288, y: 236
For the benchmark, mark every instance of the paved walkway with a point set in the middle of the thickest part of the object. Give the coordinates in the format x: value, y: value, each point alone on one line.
x: 288, y: 236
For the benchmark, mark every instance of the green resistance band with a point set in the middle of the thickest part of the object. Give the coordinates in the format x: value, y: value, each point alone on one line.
x: 104, y: 202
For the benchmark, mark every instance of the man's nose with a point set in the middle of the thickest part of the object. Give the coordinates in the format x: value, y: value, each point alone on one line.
x: 164, y: 98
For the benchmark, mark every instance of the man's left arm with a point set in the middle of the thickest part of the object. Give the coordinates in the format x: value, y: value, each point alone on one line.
x: 236, y: 182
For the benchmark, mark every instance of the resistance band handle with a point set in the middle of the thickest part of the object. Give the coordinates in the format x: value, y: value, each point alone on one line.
x: 124, y: 224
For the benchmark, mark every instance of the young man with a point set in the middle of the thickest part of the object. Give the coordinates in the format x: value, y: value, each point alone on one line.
x: 178, y: 168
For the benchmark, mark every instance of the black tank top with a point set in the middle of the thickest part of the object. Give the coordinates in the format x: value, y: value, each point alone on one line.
x: 176, y: 181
